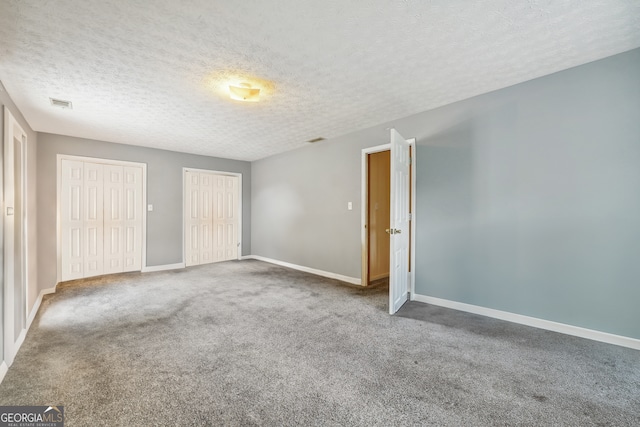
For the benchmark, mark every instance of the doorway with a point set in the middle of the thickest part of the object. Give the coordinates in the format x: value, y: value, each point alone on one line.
x: 384, y: 245
x: 212, y: 216
x: 101, y: 216
x: 15, y: 237
x: 378, y: 211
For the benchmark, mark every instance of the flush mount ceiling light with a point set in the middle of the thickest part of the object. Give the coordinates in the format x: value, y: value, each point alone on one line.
x: 244, y: 92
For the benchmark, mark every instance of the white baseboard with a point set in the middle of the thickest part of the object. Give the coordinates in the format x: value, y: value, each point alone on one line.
x: 348, y: 279
x: 533, y: 321
x: 163, y: 267
x: 32, y: 315
x: 3, y: 370
x: 36, y: 306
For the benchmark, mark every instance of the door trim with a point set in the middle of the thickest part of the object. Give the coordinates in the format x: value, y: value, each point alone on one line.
x: 364, y: 239
x: 59, y: 159
x: 11, y: 128
x: 184, y: 195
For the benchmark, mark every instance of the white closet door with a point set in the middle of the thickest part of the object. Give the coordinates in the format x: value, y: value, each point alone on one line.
x: 71, y: 219
x: 93, y: 245
x: 191, y: 219
x: 226, y: 217
x: 113, y: 219
x: 211, y: 217
x: 101, y: 214
x: 205, y: 223
x: 198, y: 218
x: 132, y: 212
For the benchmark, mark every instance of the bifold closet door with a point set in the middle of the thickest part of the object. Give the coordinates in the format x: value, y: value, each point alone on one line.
x: 211, y: 217
x: 93, y: 242
x: 113, y: 219
x: 122, y: 219
x: 132, y: 213
x: 101, y: 208
x: 71, y: 219
x: 226, y: 217
x: 198, y: 218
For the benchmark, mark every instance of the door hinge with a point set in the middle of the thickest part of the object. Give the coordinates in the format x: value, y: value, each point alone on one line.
x: 410, y: 217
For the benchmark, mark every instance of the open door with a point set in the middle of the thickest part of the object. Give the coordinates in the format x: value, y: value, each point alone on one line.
x: 399, y: 223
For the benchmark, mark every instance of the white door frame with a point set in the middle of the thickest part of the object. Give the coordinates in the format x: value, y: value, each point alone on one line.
x: 13, y: 130
x: 59, y: 159
x: 184, y: 199
x: 364, y: 203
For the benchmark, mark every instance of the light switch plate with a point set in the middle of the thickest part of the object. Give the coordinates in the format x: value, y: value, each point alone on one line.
x: 150, y: 208
x: 350, y: 206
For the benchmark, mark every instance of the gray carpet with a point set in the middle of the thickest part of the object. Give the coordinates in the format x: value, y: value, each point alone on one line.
x: 249, y: 343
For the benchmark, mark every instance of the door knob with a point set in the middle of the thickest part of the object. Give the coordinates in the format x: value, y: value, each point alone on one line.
x: 393, y: 230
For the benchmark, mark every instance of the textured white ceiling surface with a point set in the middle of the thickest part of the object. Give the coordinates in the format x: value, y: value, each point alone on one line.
x: 152, y: 73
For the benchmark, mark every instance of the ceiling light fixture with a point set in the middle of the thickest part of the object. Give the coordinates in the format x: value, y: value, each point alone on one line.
x: 244, y: 92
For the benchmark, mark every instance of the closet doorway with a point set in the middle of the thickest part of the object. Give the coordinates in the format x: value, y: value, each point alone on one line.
x: 212, y: 216
x: 388, y: 217
x: 101, y: 216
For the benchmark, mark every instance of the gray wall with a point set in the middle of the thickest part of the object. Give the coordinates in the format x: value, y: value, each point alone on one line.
x: 164, y: 191
x: 529, y: 202
x: 32, y: 271
x: 528, y: 198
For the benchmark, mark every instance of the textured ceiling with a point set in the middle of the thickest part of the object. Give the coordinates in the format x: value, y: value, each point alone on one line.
x: 149, y: 72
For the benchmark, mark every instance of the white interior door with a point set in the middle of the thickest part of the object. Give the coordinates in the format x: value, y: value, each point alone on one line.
x: 101, y: 218
x: 93, y: 245
x: 191, y: 218
x: 399, y: 222
x: 205, y: 218
x: 71, y: 220
x: 113, y: 219
x: 132, y: 212
x: 226, y: 217
x: 212, y: 217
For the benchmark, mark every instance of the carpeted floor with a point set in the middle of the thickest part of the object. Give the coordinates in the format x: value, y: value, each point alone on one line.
x: 249, y: 343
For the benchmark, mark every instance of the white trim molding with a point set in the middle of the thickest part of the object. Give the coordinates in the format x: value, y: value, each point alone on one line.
x: 348, y: 279
x: 364, y: 199
x: 36, y: 306
x: 32, y: 315
x: 3, y: 370
x: 176, y: 266
x: 535, y: 322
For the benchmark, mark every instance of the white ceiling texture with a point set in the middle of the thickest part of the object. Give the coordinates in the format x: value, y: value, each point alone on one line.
x: 155, y: 73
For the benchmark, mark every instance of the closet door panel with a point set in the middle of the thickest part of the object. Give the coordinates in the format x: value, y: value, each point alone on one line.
x: 93, y: 245
x: 113, y: 219
x: 205, y: 219
x: 71, y: 220
x: 191, y: 218
x: 133, y: 206
x: 226, y: 218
